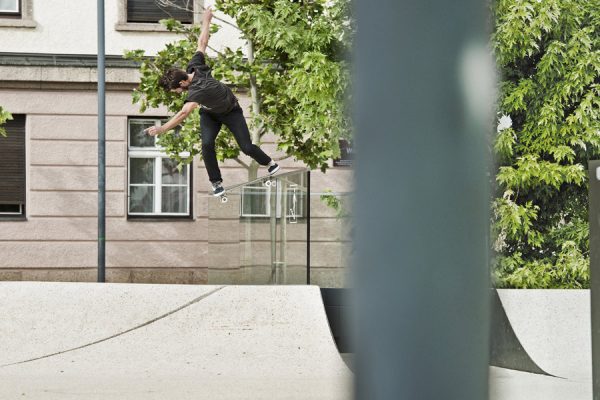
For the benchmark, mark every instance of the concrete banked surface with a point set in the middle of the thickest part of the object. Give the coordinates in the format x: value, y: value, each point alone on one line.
x: 554, y: 328
x: 123, y: 341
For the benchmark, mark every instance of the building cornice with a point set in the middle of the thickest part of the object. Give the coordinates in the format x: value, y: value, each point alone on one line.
x: 65, y: 71
x: 64, y: 60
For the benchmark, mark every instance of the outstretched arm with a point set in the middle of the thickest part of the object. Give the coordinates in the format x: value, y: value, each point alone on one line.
x: 205, y: 34
x: 173, y: 122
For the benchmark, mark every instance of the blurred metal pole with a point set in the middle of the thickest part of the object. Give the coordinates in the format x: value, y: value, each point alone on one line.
x: 423, y: 97
x: 101, y: 147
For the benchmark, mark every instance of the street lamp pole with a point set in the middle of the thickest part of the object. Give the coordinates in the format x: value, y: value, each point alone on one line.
x: 101, y: 146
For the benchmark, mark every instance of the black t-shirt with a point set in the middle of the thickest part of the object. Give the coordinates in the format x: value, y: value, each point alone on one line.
x: 205, y: 90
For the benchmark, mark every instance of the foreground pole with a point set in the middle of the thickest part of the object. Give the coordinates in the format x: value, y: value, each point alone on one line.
x: 423, y: 96
x: 101, y: 147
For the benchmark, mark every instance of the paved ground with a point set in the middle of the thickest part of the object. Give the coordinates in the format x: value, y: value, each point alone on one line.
x: 506, y: 384
x: 117, y: 341
x: 91, y: 341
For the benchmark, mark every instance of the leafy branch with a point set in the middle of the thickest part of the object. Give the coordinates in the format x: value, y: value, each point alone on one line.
x: 4, y: 116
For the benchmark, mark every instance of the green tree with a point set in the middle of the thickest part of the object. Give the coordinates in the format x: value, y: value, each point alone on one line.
x: 4, y: 116
x: 295, y: 66
x: 548, y: 56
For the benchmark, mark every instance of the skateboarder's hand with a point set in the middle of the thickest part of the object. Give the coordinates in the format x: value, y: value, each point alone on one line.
x: 153, y: 131
x: 208, y: 12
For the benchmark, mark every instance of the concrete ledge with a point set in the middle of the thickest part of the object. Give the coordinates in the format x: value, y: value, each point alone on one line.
x: 67, y: 74
x: 141, y: 27
x: 18, y: 23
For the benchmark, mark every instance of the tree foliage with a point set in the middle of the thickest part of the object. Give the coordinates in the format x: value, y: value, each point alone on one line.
x: 298, y: 74
x: 548, y: 56
x: 4, y: 116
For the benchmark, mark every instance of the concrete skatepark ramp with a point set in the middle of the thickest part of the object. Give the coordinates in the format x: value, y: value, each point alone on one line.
x: 122, y: 341
x: 543, y: 349
x: 554, y: 329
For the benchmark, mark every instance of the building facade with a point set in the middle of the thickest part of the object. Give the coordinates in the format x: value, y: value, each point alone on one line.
x: 158, y: 225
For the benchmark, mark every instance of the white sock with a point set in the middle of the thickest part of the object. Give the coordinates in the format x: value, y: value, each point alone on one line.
x: 272, y: 163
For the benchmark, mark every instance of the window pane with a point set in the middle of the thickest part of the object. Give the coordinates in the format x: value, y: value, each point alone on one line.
x: 254, y: 201
x: 152, y: 11
x: 141, y: 199
x: 174, y: 199
x: 9, y: 5
x: 137, y: 137
x: 141, y: 170
x: 171, y: 175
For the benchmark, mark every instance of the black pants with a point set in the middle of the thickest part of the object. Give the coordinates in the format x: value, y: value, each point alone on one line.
x: 210, y: 125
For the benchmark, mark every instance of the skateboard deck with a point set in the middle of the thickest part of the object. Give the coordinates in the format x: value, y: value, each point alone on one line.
x: 267, y: 180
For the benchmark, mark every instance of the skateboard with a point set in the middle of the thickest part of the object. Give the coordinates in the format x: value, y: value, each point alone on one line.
x: 268, y: 182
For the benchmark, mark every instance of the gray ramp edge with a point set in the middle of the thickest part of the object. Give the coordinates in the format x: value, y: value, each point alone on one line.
x: 554, y: 328
x: 234, y: 342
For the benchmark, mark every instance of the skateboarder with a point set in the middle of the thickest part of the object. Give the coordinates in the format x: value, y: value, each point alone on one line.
x: 218, y: 106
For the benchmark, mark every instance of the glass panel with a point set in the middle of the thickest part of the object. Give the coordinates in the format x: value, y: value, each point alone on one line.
x: 137, y: 137
x: 141, y: 170
x: 175, y: 199
x: 260, y: 249
x: 141, y: 199
x: 171, y: 175
x: 9, y: 6
x: 331, y: 229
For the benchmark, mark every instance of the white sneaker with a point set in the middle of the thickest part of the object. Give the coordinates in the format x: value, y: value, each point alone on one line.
x: 273, y: 168
x: 218, y: 189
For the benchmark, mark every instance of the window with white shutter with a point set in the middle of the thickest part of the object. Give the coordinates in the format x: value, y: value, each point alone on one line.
x: 12, y: 168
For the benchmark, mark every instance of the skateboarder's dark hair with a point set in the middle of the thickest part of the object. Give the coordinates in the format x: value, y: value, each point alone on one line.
x: 171, y: 78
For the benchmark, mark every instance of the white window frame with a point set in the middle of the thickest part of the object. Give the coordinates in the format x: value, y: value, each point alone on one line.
x: 244, y: 196
x: 23, y: 18
x: 158, y: 154
x: 278, y: 200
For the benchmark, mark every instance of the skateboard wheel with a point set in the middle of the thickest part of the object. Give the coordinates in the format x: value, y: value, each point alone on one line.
x: 223, y: 199
x: 268, y: 183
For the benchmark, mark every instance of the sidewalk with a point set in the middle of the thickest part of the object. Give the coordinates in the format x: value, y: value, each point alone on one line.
x: 506, y: 384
